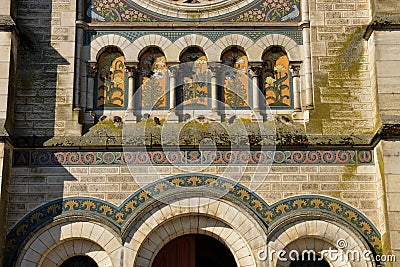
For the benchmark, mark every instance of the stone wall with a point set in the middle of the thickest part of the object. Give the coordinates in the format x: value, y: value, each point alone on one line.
x: 5, y: 173
x: 390, y: 174
x: 387, y: 53
x: 344, y: 100
x: 45, y: 88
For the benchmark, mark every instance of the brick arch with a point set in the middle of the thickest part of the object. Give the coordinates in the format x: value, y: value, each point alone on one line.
x: 195, y: 40
x: 224, y: 188
x: 147, y: 41
x: 75, y: 247
x: 292, y: 49
x: 54, y: 244
x: 98, y: 45
x: 315, y: 234
x: 241, y: 233
x: 225, y: 42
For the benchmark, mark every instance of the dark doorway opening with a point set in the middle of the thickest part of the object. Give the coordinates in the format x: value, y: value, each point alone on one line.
x: 79, y: 261
x: 194, y: 251
x: 310, y: 262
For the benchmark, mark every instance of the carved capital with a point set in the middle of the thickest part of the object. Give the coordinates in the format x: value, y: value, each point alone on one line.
x: 91, y: 68
x: 295, y: 69
x: 255, y: 71
x: 132, y: 68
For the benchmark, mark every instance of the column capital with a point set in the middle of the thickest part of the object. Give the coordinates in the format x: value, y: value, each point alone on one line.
x: 91, y: 68
x: 132, y: 68
x: 255, y: 68
x: 295, y: 68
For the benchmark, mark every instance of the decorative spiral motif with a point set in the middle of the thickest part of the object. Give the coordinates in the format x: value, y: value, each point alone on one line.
x: 343, y: 156
x: 327, y: 156
x: 341, y: 243
x: 43, y: 158
x: 74, y: 157
x: 312, y: 156
x: 297, y: 157
x: 158, y: 157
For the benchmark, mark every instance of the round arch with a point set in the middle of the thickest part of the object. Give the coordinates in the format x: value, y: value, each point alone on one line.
x: 292, y: 49
x: 150, y: 40
x: 197, y: 248
x: 144, y: 201
x: 243, y: 234
x: 98, y: 45
x: 237, y: 47
x: 55, y: 243
x: 315, y: 234
x: 196, y: 40
x: 232, y: 40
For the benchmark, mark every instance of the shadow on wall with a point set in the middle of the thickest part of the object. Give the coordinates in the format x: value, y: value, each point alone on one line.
x: 40, y: 71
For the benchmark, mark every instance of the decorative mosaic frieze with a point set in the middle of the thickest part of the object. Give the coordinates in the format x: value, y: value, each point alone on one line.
x: 140, y: 201
x: 271, y: 11
x: 288, y: 157
x: 103, y: 11
x: 174, y: 35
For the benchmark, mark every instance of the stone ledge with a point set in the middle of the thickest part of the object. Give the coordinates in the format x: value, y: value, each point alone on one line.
x: 6, y: 22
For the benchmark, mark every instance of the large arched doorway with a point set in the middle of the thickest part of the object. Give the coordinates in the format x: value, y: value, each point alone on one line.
x: 194, y: 251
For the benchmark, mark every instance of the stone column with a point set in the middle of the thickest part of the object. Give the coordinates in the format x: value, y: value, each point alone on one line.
x: 255, y: 73
x: 214, y: 88
x: 214, y: 113
x: 90, y: 73
x: 172, y: 117
x: 295, y: 69
x: 309, y: 97
x: 77, y: 66
x: 172, y: 92
x: 91, y: 68
x: 132, y: 69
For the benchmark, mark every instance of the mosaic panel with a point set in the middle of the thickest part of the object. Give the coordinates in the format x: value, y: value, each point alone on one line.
x: 193, y: 90
x: 111, y: 80
x: 235, y: 91
x: 280, y: 157
x: 153, y: 77
x: 135, y: 204
x: 285, y: 11
x: 276, y: 78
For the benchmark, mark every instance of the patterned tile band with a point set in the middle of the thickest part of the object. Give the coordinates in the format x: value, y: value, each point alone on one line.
x: 76, y: 158
x: 140, y: 200
x: 254, y: 35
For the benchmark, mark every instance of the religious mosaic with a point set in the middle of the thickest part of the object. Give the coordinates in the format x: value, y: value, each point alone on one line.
x: 145, y: 197
x: 153, y: 77
x: 235, y: 80
x: 111, y: 79
x: 287, y: 11
x: 193, y: 81
x: 276, y: 78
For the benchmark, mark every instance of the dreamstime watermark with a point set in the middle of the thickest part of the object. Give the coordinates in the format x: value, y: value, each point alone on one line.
x: 190, y: 132
x: 340, y: 254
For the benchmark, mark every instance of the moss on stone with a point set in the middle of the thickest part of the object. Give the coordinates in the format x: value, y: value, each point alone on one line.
x: 386, y: 244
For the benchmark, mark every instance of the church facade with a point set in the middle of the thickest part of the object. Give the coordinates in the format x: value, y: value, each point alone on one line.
x: 200, y: 132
